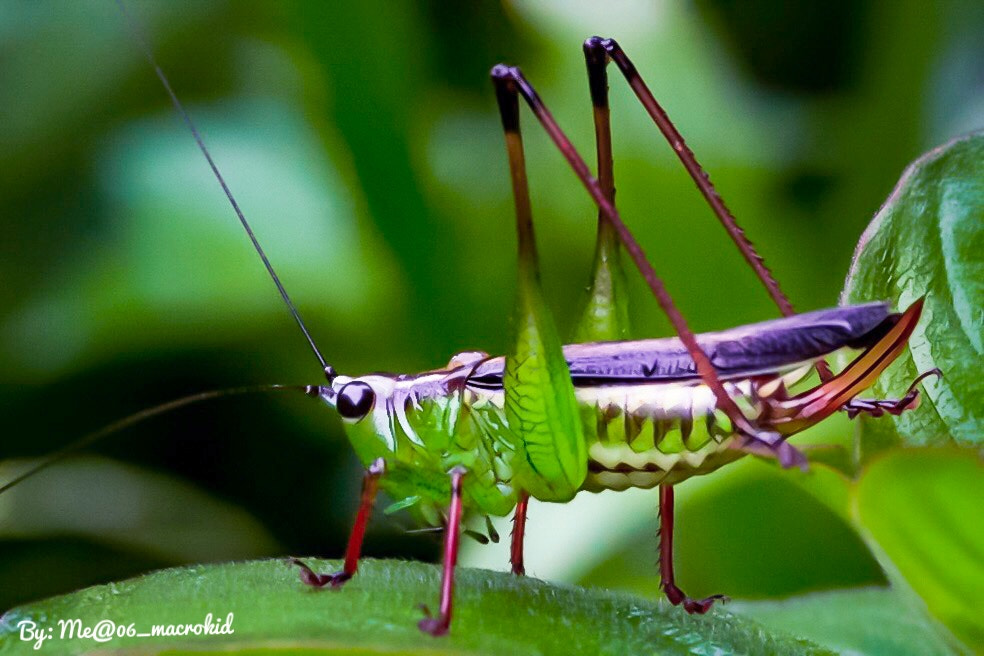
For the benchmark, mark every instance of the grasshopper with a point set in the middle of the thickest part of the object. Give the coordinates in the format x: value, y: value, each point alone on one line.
x: 546, y: 421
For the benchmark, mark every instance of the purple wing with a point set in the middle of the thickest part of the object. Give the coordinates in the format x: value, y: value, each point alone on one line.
x: 758, y: 348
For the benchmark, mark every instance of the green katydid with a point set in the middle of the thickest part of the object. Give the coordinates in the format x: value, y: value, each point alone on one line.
x: 547, y: 421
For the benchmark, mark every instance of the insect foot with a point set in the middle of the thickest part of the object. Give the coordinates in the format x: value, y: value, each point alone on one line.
x: 878, y: 407
x: 435, y: 626
x: 692, y: 606
x: 315, y: 580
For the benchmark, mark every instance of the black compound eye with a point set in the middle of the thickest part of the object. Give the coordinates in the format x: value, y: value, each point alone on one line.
x: 355, y: 400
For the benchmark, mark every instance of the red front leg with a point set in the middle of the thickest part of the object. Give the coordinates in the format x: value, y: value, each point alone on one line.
x: 370, y: 485
x: 438, y: 626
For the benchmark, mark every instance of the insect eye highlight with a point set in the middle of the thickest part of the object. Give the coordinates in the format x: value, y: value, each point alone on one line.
x: 355, y: 400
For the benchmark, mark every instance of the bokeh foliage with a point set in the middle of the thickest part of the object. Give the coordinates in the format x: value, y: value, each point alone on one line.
x: 362, y: 140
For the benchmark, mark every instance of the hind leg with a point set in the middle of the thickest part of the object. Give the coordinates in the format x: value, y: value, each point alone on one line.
x: 878, y: 407
x: 667, y: 579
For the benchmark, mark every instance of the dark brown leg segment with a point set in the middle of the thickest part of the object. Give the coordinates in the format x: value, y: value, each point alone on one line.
x: 518, y: 534
x: 597, y: 62
x: 370, y: 485
x: 438, y: 626
x: 667, y: 580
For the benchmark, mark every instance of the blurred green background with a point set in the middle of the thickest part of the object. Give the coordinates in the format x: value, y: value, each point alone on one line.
x: 363, y: 142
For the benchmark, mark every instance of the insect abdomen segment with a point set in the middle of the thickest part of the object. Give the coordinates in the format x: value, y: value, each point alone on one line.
x: 644, y: 435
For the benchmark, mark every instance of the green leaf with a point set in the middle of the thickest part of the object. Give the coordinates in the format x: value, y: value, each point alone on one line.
x: 920, y: 511
x: 928, y: 240
x: 540, y: 406
x: 124, y: 506
x: 870, y: 621
x: 376, y: 612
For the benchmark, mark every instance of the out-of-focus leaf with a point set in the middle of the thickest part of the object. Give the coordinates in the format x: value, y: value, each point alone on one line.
x: 827, y: 484
x: 921, y: 513
x: 176, y: 253
x: 377, y: 613
x: 928, y: 240
x: 870, y: 621
x: 122, y: 506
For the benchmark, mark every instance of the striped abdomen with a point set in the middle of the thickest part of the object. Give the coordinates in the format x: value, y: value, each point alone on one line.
x: 644, y: 435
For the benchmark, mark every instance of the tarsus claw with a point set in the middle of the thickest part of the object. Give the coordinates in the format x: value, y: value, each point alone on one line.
x: 435, y: 626
x: 310, y: 577
x: 677, y: 597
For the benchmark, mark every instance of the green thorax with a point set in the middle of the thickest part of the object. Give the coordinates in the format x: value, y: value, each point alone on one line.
x: 423, y: 426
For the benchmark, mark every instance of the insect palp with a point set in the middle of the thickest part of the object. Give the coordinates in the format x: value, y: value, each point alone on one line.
x: 490, y: 529
x: 427, y: 529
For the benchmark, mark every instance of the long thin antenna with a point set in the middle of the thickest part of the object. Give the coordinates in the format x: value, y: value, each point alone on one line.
x: 149, y: 54
x: 136, y: 418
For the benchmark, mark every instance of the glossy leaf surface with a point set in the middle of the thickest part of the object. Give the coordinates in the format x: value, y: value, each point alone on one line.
x: 928, y: 240
x: 377, y: 613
